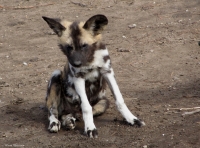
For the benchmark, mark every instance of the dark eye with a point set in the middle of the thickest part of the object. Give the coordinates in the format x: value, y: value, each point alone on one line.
x: 68, y: 47
x: 84, y: 46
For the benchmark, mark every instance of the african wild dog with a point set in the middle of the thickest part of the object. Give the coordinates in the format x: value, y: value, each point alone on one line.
x: 80, y: 88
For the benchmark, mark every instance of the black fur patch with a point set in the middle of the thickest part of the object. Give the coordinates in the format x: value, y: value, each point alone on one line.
x: 75, y: 34
x: 137, y: 122
x: 105, y: 58
x: 55, y: 25
x: 99, y: 85
x: 102, y: 46
x: 93, y: 132
x: 80, y: 74
x: 96, y: 23
x: 90, y: 52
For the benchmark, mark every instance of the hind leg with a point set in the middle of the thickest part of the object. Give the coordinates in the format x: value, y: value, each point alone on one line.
x: 53, y: 101
x: 101, y: 106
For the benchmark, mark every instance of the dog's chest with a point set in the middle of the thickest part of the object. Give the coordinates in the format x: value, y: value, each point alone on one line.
x: 92, y: 75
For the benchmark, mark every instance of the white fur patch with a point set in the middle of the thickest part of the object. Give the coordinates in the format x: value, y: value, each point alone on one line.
x: 55, y: 73
x: 98, y: 58
x: 56, y: 127
x: 91, y: 76
x: 102, y: 93
x: 52, y: 118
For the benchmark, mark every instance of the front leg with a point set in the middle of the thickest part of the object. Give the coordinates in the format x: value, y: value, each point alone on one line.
x: 90, y: 128
x: 123, y: 109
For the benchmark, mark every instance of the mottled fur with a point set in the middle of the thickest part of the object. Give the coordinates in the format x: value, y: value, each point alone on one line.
x: 79, y: 90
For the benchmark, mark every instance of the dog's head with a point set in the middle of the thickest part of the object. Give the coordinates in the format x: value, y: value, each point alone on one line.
x: 79, y: 40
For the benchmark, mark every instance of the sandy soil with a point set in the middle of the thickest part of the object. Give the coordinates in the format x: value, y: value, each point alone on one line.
x: 159, y: 72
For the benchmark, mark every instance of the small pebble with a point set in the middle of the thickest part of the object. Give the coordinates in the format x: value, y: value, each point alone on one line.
x: 145, y: 146
x: 25, y: 63
x: 132, y: 26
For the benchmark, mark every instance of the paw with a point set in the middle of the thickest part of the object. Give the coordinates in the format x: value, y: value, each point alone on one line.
x: 90, y: 129
x: 54, y: 126
x: 68, y: 121
x: 137, y: 123
x: 92, y: 133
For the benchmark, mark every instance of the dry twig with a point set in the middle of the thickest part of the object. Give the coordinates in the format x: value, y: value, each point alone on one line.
x: 78, y: 3
x: 25, y: 7
x: 184, y: 108
x: 195, y: 110
x: 192, y: 112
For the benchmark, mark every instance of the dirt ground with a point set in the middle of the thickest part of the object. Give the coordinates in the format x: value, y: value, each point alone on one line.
x: 155, y: 55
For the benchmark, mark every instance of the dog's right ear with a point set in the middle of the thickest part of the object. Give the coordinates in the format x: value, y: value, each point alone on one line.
x: 96, y: 24
x: 55, y: 25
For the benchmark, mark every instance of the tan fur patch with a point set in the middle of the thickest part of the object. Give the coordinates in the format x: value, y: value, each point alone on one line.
x: 85, y: 38
x: 65, y: 38
x: 100, y: 107
x: 53, y: 98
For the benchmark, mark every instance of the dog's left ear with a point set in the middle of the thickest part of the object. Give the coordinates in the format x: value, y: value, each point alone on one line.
x: 55, y: 25
x: 96, y: 24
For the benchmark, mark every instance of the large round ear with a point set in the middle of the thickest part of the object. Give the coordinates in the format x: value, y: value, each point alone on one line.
x: 55, y: 25
x: 96, y: 24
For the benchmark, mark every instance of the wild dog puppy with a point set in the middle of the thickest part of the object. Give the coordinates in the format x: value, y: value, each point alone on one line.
x: 79, y: 90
